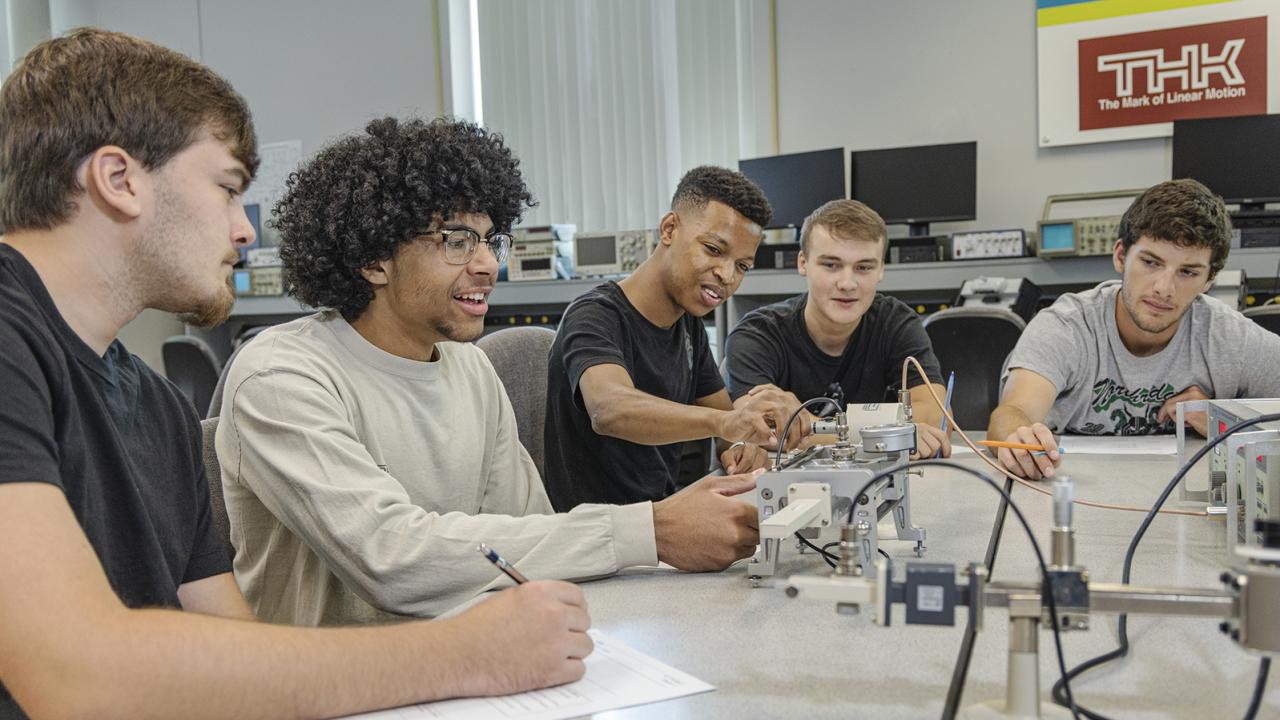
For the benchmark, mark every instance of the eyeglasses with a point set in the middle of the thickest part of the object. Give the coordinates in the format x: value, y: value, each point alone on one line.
x: 460, y: 244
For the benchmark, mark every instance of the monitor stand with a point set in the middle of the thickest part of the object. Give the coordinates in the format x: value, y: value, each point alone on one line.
x: 918, y: 229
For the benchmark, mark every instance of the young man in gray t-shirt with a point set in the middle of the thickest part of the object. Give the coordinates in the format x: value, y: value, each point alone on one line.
x: 1116, y: 360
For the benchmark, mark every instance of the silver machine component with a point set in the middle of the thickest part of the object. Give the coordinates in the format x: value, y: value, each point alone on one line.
x: 1245, y: 603
x: 812, y: 491
x: 1244, y: 470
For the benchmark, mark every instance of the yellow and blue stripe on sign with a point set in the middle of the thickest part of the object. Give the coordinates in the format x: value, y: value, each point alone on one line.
x: 1063, y: 12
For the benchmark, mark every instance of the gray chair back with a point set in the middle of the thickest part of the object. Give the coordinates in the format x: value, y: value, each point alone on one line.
x: 520, y: 356
x: 215, y: 398
x: 221, y: 523
x: 190, y: 364
x: 973, y: 342
x: 1268, y: 316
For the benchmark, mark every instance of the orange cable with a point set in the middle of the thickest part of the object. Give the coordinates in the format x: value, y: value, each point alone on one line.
x: 1022, y: 481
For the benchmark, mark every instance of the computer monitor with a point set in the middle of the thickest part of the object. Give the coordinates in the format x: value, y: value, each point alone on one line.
x: 798, y: 183
x: 1236, y: 157
x: 917, y: 185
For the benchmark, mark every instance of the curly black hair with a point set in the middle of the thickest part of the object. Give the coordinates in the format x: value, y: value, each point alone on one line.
x: 708, y: 182
x: 1183, y: 212
x: 364, y: 195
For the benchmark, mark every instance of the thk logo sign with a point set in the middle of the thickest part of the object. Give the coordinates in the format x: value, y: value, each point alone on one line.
x: 1190, y: 71
x: 1211, y: 70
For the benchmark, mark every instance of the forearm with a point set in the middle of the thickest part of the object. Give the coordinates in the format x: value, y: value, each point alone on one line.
x: 923, y: 409
x: 647, y: 420
x: 163, y: 663
x: 1006, y: 419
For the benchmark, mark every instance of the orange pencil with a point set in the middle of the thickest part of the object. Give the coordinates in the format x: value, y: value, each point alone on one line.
x: 1009, y: 445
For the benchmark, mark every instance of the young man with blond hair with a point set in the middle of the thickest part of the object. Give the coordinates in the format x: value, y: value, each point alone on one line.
x: 841, y: 339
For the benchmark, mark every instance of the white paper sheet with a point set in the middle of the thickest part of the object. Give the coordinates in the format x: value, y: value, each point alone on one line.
x: 1103, y: 445
x: 617, y: 677
x: 278, y: 159
x: 1119, y: 445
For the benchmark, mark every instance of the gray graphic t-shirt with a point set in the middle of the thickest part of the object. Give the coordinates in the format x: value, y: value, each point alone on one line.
x: 1103, y: 389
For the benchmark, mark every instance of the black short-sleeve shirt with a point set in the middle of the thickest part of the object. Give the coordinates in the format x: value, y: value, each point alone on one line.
x: 122, y: 442
x: 674, y: 363
x: 772, y: 345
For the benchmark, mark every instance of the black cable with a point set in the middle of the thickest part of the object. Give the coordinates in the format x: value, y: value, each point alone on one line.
x: 827, y: 554
x: 1255, y: 702
x: 831, y: 559
x: 1123, y: 622
x: 786, y: 429
x: 960, y: 674
x: 1047, y: 591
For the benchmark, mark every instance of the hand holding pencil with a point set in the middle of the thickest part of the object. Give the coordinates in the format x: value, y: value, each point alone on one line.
x: 1031, y: 451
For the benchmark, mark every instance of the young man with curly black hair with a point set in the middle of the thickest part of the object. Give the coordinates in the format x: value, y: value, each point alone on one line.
x: 366, y: 449
x: 1117, y: 359
x: 631, y: 373
x: 122, y: 166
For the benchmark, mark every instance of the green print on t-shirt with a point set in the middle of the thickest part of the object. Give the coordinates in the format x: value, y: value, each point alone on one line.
x: 1132, y: 412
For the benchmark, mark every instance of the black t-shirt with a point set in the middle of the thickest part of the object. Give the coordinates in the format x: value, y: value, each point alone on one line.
x: 772, y: 345
x: 603, y: 327
x: 122, y: 442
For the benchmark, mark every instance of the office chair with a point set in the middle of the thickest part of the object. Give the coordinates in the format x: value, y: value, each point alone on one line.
x: 192, y: 366
x: 1268, y: 316
x: 221, y: 523
x: 520, y: 355
x: 215, y: 399
x: 973, y: 342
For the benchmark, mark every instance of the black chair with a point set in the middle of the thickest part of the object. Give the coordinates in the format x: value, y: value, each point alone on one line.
x: 520, y: 355
x: 213, y: 469
x: 1268, y: 316
x: 973, y: 342
x: 192, y: 366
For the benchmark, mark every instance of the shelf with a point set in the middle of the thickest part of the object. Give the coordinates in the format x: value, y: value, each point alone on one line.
x: 1258, y: 264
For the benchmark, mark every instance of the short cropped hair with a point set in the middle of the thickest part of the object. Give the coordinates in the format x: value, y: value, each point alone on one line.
x: 845, y: 219
x: 365, y: 195
x: 705, y: 183
x: 1183, y: 212
x: 74, y: 94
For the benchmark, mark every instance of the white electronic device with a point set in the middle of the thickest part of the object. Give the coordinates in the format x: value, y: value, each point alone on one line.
x: 1244, y: 471
x: 611, y: 253
x: 533, y: 255
x: 1083, y: 223
x: 263, y: 256
x: 984, y: 244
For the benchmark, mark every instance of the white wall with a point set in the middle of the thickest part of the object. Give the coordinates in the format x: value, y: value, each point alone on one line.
x: 870, y: 74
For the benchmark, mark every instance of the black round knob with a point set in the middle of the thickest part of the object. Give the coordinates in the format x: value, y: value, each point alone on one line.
x: 1270, y: 532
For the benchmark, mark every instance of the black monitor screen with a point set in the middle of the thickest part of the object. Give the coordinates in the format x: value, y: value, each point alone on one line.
x: 797, y: 184
x: 929, y: 183
x: 1236, y: 157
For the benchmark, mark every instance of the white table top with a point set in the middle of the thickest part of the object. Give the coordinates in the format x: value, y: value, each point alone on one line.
x: 770, y: 656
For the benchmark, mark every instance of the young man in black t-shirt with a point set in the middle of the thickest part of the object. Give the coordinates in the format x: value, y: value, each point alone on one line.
x: 631, y: 375
x: 840, y: 327
x: 122, y: 166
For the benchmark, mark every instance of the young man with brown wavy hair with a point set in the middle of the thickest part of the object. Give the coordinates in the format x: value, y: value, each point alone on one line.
x: 1117, y: 359
x: 122, y: 166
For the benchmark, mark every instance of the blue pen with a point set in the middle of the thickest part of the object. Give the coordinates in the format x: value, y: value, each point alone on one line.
x: 507, y: 568
x: 951, y: 386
